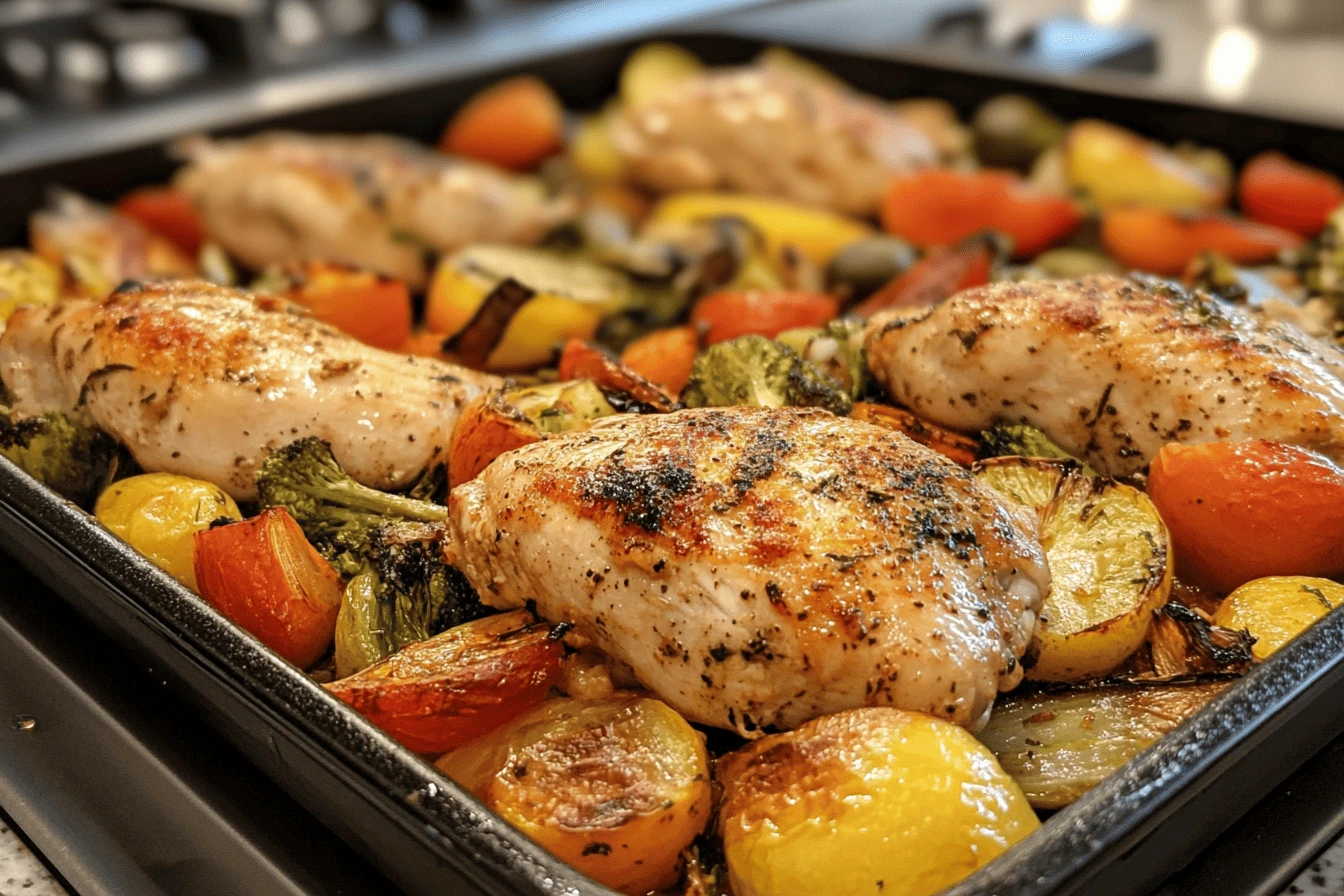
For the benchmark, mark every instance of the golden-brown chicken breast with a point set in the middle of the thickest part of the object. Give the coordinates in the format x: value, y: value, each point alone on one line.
x: 760, y: 131
x: 758, y: 567
x: 376, y: 202
x: 1111, y: 368
x: 206, y: 381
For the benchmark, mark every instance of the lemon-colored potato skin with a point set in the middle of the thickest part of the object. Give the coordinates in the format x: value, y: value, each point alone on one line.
x: 159, y: 515
x: 869, y: 801
x: 1277, y: 609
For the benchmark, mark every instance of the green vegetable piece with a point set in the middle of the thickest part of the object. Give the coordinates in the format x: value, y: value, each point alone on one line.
x: 72, y: 458
x: 759, y: 372
x: 1321, y: 262
x: 1067, y: 262
x: 1021, y: 440
x: 837, y: 350
x: 866, y: 265
x: 1011, y: 130
x: 562, y: 407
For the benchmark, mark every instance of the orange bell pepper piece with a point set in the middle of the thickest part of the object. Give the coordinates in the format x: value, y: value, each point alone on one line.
x: 1163, y: 242
x: 940, y: 207
x: 515, y: 124
x: 168, y: 212
x: 664, y: 357
x: 1276, y: 190
x: 939, y: 274
x: 373, y: 308
x: 728, y: 314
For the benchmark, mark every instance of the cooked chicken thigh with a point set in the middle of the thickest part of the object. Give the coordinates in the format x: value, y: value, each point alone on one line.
x: 372, y: 201
x: 1111, y: 368
x: 205, y: 381
x: 761, y: 131
x: 757, y: 568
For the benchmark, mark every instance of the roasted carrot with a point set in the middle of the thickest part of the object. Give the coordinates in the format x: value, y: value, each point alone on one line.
x: 664, y: 356
x: 515, y: 124
x: 168, y: 212
x: 939, y: 274
x: 581, y: 361
x: 729, y: 314
x: 371, y: 307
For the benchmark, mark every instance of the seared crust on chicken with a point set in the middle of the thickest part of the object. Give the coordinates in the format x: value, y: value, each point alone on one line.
x: 1111, y: 368
x: 757, y: 567
x: 205, y: 381
x: 761, y: 131
x: 371, y: 201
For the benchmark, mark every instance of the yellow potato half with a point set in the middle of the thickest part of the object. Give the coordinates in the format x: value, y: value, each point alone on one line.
x: 869, y: 801
x: 1277, y: 609
x: 815, y: 233
x: 159, y: 515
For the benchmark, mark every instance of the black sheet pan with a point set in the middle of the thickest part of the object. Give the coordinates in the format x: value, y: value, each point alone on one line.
x: 427, y: 835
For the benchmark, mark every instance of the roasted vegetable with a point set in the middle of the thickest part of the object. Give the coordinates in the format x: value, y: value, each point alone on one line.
x: 729, y: 314
x: 1110, y: 565
x: 371, y: 307
x: 1012, y: 130
x: 401, y: 592
x: 1163, y: 242
x: 496, y: 422
x: 623, y: 387
x: 515, y: 124
x: 1067, y: 262
x: 837, y: 350
x: 26, y: 279
x: 1321, y: 262
x: 755, y: 371
x: 952, y: 445
x: 1116, y: 167
x: 1182, y: 641
x: 874, y: 801
x: 438, y: 694
x: 818, y: 234
x: 568, y: 300
x: 940, y: 273
x: 655, y: 68
x: 159, y: 515
x: 167, y: 212
x: 1276, y: 609
x: 1276, y: 190
x: 263, y: 575
x: 1236, y: 510
x: 337, y: 514
x: 864, y: 266
x: 1059, y: 745
x: 592, y: 151
x: 1021, y: 440
x: 938, y: 120
x: 942, y: 206
x: 664, y: 357
x: 72, y: 458
x: 617, y: 787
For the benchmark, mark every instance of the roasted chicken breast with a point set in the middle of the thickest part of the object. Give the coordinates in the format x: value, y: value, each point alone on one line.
x: 1111, y: 368
x: 377, y: 202
x: 757, y: 567
x: 205, y: 381
x: 761, y: 131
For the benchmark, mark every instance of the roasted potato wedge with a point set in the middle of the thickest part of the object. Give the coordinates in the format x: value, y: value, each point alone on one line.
x: 1059, y: 745
x: 159, y: 515
x: 1277, y: 609
x: 1110, y: 565
x: 264, y: 575
x: 459, y: 685
x: 496, y: 422
x: 615, y: 787
x: 26, y: 279
x: 868, y: 801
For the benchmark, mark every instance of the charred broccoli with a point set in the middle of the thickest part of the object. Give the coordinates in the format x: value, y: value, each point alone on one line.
x: 403, y: 592
x: 1021, y: 440
x: 759, y: 372
x: 72, y: 458
x: 390, y: 547
x: 337, y: 514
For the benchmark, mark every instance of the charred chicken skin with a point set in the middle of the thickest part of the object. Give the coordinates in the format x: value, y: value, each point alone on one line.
x: 1111, y: 368
x: 757, y: 568
x: 205, y: 381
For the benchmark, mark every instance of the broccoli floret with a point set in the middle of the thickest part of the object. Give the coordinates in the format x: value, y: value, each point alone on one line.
x: 403, y: 592
x: 1321, y: 262
x: 1021, y: 440
x: 336, y: 513
x: 72, y: 458
x: 759, y: 372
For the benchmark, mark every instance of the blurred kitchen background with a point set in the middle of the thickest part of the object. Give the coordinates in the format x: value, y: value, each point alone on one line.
x: 94, y: 68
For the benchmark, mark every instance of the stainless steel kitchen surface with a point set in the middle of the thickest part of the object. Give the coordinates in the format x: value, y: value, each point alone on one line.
x: 78, y: 75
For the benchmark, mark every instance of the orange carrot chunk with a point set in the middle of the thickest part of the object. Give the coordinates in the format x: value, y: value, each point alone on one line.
x: 1276, y: 190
